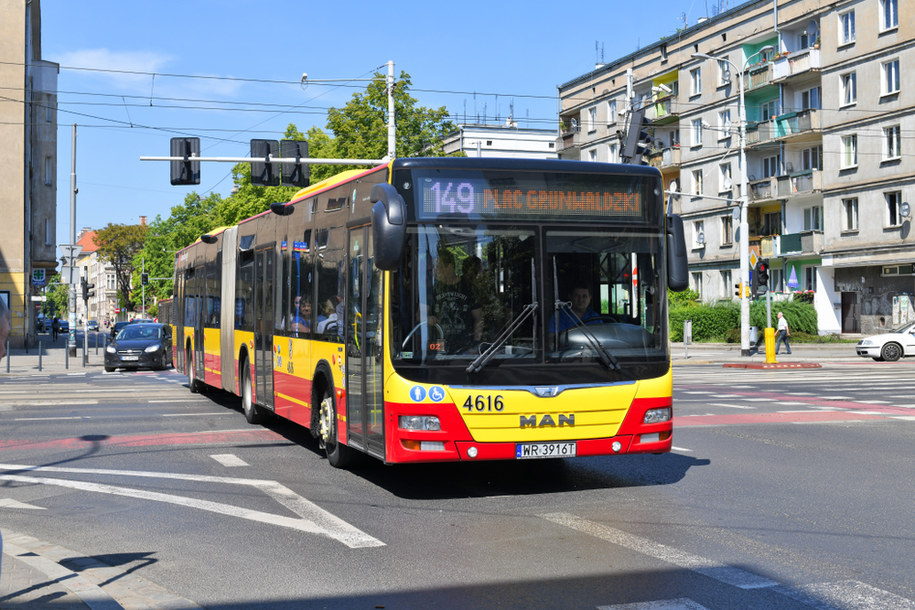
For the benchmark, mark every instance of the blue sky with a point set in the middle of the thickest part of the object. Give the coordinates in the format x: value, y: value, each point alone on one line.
x: 131, y: 75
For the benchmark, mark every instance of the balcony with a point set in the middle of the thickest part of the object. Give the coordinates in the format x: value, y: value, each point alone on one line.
x: 796, y: 63
x: 665, y: 110
x: 570, y: 138
x: 758, y: 76
x: 801, y: 183
x: 769, y: 246
x: 667, y: 157
x: 758, y: 133
x: 763, y: 190
x: 805, y: 242
x: 800, y: 123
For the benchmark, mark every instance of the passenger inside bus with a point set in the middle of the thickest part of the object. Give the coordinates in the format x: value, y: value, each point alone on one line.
x: 455, y: 307
x: 301, y: 321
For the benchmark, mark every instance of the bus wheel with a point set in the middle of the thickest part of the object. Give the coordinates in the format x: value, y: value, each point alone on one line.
x: 192, y: 383
x: 338, y: 455
x: 253, y: 413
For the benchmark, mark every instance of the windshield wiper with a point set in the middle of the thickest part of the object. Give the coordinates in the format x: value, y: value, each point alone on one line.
x: 480, y: 361
x: 608, y: 359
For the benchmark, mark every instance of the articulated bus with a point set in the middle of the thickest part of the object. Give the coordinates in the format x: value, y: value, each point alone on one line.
x: 419, y: 311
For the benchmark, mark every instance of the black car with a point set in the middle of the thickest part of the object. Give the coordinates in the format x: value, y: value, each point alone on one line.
x: 145, y: 345
x: 117, y: 327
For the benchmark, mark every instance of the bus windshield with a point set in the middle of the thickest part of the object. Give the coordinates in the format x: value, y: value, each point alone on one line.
x: 489, y: 297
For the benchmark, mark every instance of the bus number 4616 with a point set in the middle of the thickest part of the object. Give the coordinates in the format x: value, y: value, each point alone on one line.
x: 484, y: 402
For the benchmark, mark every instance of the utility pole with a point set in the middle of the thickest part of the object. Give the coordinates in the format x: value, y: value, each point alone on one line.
x: 71, y: 334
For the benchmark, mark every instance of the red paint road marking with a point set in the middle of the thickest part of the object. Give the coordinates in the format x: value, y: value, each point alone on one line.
x: 149, y: 440
x: 770, y: 418
x: 818, y: 402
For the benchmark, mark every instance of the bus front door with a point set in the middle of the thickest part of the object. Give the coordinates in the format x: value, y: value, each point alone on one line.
x: 263, y: 326
x: 364, y: 398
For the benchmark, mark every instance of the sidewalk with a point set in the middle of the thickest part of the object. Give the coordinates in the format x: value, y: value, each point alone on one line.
x: 50, y: 357
x: 729, y: 353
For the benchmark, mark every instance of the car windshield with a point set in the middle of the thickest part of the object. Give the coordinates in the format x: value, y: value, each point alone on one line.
x: 133, y: 333
x: 904, y: 329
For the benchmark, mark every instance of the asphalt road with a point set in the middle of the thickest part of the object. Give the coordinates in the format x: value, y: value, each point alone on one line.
x: 786, y: 489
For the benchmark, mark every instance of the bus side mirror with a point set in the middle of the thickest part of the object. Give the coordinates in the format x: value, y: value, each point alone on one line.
x: 677, y: 265
x: 389, y: 226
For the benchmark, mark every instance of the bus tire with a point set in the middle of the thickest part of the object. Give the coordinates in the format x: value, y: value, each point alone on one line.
x: 192, y: 384
x: 253, y: 413
x: 338, y: 455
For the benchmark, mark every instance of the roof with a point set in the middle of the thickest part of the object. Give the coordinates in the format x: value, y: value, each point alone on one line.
x: 87, y: 241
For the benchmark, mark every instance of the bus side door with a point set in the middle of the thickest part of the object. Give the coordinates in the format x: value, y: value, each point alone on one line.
x: 364, y: 306
x: 263, y: 324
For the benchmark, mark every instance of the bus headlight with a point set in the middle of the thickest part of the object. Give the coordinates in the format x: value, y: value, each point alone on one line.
x: 419, y: 422
x: 657, y: 416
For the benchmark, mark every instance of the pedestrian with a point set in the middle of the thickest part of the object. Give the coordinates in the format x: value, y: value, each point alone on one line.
x: 782, y: 333
x: 55, y: 328
x: 6, y: 321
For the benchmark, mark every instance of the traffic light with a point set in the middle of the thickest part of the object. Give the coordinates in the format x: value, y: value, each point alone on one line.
x: 144, y: 279
x: 298, y: 174
x: 262, y: 172
x: 637, y: 139
x: 739, y: 290
x: 762, y: 276
x: 186, y: 171
x: 89, y: 292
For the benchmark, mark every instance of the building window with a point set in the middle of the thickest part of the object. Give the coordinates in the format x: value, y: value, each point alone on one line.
x: 891, y: 143
x: 727, y: 230
x: 48, y: 232
x: 725, y: 282
x: 724, y: 124
x: 697, y: 182
x: 697, y: 284
x: 810, y: 99
x: 111, y: 281
x: 850, y: 214
x: 725, y: 178
x: 698, y: 234
x: 697, y: 132
x: 891, y: 77
x: 768, y: 110
x: 770, y: 166
x: 849, y: 152
x: 849, y: 88
x: 810, y: 278
x: 48, y: 170
x: 889, y: 15
x: 613, y: 153
x: 847, y: 27
x: 695, y: 81
x: 812, y: 158
x: 813, y: 218
x: 893, y: 213
x: 592, y: 155
x: 611, y: 112
x: 592, y: 119
x: 724, y: 72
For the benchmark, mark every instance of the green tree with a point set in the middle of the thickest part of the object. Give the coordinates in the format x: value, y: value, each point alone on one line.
x: 118, y: 244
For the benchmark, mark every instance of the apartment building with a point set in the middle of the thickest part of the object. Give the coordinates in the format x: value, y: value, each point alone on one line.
x: 28, y: 165
x: 503, y: 140
x: 103, y: 305
x: 829, y: 147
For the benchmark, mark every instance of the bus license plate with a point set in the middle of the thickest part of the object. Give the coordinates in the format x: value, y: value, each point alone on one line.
x: 532, y: 451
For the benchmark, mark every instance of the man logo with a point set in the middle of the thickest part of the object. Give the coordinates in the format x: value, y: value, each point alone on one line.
x: 547, y: 421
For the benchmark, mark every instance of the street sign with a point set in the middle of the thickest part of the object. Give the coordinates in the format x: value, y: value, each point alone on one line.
x: 38, y: 277
x: 753, y: 259
x: 41, y: 298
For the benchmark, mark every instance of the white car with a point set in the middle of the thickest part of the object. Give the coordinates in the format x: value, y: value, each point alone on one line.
x: 889, y: 346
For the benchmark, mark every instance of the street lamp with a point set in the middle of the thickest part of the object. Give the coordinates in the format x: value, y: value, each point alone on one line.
x: 744, y: 228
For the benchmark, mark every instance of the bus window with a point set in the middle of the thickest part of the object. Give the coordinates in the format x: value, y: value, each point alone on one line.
x: 301, y: 314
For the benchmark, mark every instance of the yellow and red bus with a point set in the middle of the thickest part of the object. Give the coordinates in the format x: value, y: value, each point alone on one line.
x: 418, y: 311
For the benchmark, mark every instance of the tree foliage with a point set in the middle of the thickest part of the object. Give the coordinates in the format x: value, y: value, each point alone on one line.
x: 118, y: 244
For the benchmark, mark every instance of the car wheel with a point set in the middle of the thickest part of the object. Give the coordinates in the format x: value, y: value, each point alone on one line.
x: 891, y: 352
x: 253, y: 413
x: 338, y: 456
x: 109, y: 369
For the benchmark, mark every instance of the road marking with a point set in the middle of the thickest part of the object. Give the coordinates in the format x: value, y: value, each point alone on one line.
x: 55, y: 403
x: 846, y: 594
x: 718, y: 571
x: 680, y: 603
x: 50, y: 418
x: 682, y: 449
x: 197, y: 414
x: 313, y: 519
x: 722, y: 404
x: 10, y: 503
x: 229, y: 460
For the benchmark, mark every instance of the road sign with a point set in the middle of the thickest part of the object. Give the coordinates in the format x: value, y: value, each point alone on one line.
x: 41, y: 298
x: 753, y: 259
x: 38, y: 277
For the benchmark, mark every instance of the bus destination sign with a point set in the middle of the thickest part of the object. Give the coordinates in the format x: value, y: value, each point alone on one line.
x: 482, y: 198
